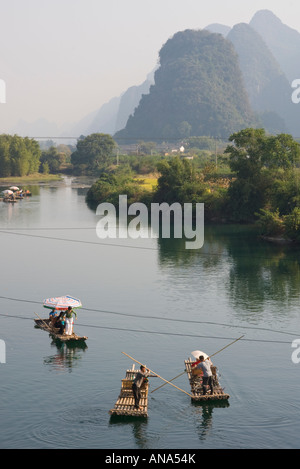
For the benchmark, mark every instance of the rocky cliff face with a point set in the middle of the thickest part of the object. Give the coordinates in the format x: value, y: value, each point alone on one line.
x: 267, y: 86
x: 283, y: 41
x: 204, y: 86
x: 198, y: 90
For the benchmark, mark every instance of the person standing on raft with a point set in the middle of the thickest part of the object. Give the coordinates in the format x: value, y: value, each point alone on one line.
x: 137, y: 383
x: 207, y: 378
x: 69, y: 320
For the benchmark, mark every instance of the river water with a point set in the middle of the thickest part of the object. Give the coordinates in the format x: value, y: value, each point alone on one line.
x: 157, y: 302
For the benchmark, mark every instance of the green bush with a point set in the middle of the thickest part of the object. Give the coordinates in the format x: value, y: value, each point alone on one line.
x: 292, y: 225
x: 270, y: 223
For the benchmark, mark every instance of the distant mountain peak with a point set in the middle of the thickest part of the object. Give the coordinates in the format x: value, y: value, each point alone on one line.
x: 266, y: 15
x: 198, y: 90
x: 267, y: 86
x: 267, y: 19
x: 282, y: 40
x: 218, y: 28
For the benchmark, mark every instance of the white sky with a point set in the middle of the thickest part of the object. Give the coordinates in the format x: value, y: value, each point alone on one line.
x: 62, y: 59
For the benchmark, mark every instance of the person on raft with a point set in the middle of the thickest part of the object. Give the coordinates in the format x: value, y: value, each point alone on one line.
x: 53, y: 316
x: 137, y: 383
x: 69, y: 320
x: 207, y: 378
x: 60, y: 323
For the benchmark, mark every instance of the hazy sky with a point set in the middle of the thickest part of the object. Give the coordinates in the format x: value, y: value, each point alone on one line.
x: 62, y: 59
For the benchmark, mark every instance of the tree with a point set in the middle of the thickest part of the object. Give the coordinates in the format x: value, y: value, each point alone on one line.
x: 35, y: 154
x: 93, y: 152
x: 257, y: 161
x: 270, y: 223
x: 53, y: 159
x: 252, y: 150
x: 281, y: 151
x: 110, y: 185
x: 18, y: 156
x: 292, y: 224
x: 246, y: 152
x: 45, y: 168
x: 5, y: 169
x: 179, y: 182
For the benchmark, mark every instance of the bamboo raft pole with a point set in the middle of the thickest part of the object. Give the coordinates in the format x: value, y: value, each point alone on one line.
x: 216, y: 353
x: 124, y: 405
x: 158, y: 376
x: 195, y: 380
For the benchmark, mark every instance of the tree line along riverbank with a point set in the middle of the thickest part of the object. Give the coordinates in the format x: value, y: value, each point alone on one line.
x: 253, y: 178
x: 257, y: 181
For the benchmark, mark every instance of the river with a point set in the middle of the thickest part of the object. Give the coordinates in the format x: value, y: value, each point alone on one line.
x: 157, y: 302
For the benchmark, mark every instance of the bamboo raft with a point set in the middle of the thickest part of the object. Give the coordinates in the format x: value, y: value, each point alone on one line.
x: 12, y: 201
x: 54, y: 332
x: 196, y: 385
x: 125, y: 402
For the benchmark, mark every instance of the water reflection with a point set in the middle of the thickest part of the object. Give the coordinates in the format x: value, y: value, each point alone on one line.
x: 204, y: 416
x: 21, y: 209
x: 172, y: 252
x: 68, y: 355
x: 138, y: 428
x: 252, y: 271
x: 262, y: 273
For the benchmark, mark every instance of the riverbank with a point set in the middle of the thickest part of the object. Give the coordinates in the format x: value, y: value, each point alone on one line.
x: 30, y: 179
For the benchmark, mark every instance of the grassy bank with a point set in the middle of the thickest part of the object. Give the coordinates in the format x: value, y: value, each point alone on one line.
x: 30, y: 179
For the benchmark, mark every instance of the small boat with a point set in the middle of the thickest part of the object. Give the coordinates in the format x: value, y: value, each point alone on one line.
x: 60, y: 303
x: 125, y: 402
x: 46, y: 325
x: 196, y: 385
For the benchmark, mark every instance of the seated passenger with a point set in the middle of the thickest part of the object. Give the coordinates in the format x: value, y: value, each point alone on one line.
x: 60, y: 323
x: 53, y: 316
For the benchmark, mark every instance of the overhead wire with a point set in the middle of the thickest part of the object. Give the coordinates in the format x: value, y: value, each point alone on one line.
x: 8, y: 231
x: 160, y: 318
x: 176, y: 334
x: 12, y: 232
x: 100, y: 243
x: 128, y: 246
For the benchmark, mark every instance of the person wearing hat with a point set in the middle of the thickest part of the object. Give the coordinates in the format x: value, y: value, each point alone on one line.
x: 137, y: 383
x: 207, y: 378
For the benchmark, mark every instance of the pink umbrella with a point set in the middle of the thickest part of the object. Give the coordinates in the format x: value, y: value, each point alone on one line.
x: 62, y: 302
